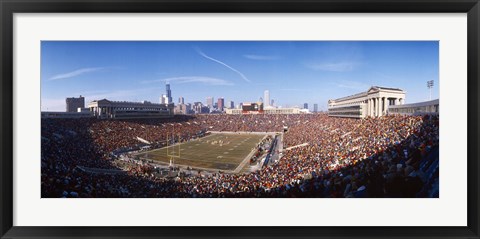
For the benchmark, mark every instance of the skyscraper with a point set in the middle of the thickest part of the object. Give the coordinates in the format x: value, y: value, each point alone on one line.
x: 305, y: 105
x: 74, y: 103
x: 315, y: 107
x: 210, y: 102
x: 181, y: 100
x: 266, y: 98
x: 221, y: 103
x: 272, y: 103
x: 231, y: 105
x: 197, y: 107
x: 169, y: 94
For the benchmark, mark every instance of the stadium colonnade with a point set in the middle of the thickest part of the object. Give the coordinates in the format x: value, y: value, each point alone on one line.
x: 374, y: 102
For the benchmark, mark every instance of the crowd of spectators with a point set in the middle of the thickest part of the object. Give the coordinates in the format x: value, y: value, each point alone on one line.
x: 390, y: 156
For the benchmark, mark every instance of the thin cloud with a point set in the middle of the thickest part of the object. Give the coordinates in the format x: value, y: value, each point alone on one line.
x: 294, y: 89
x: 124, y: 95
x: 355, y: 85
x: 336, y: 67
x: 261, y: 57
x: 193, y: 79
x: 223, y: 64
x: 76, y: 73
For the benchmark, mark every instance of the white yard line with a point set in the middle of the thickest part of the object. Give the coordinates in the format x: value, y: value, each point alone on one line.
x: 153, y: 150
x: 237, y: 170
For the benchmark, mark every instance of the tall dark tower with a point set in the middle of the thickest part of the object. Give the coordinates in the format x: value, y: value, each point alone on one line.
x: 74, y: 103
x: 169, y: 94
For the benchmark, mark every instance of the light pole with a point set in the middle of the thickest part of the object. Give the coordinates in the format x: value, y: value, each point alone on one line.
x: 430, y: 86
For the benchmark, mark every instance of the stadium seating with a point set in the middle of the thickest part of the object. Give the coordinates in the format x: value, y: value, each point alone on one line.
x: 391, y: 156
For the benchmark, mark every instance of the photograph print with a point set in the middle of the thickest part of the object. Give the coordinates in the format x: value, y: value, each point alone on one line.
x: 240, y: 119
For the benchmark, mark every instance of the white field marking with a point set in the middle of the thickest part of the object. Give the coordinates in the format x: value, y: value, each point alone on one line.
x: 208, y: 136
x: 225, y: 152
x: 201, y: 168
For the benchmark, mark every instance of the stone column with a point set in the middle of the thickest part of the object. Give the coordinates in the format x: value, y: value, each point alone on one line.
x: 369, y: 106
x: 380, y: 106
x: 373, y: 107
x: 370, y: 109
x: 385, y: 104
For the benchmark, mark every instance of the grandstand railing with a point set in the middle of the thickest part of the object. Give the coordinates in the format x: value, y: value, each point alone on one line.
x: 269, y: 154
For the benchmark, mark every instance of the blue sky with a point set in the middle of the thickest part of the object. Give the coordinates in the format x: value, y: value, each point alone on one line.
x: 295, y: 72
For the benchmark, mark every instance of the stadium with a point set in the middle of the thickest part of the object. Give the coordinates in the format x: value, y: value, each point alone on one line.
x: 247, y: 155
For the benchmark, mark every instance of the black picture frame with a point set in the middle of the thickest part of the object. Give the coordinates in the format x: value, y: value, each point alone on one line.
x: 9, y: 7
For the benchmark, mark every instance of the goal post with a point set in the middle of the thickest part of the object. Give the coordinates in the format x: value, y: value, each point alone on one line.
x: 173, y: 150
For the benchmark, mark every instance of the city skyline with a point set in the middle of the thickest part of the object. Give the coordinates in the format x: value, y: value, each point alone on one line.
x: 293, y: 73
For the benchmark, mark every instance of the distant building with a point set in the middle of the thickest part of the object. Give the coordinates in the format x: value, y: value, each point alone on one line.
x: 189, y: 108
x: 199, y: 108
x: 285, y: 111
x: 168, y: 94
x: 252, y: 108
x: 210, y: 102
x: 124, y: 109
x: 181, y: 100
x: 419, y: 108
x: 74, y: 103
x: 315, y: 107
x: 231, y: 105
x: 270, y: 110
x: 272, y: 103
x: 205, y: 110
x: 182, y: 109
x: 266, y: 97
x: 220, y: 104
x: 374, y: 103
x: 83, y: 110
x: 305, y: 105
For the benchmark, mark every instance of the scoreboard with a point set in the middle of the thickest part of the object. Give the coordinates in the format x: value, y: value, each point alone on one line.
x: 252, y: 108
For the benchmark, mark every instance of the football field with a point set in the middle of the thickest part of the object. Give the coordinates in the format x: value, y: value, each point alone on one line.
x: 216, y: 152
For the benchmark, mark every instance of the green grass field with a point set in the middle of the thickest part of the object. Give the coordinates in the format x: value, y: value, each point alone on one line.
x: 209, y: 152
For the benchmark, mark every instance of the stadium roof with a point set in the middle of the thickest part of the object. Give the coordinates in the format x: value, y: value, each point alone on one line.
x: 366, y: 92
x: 384, y: 88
